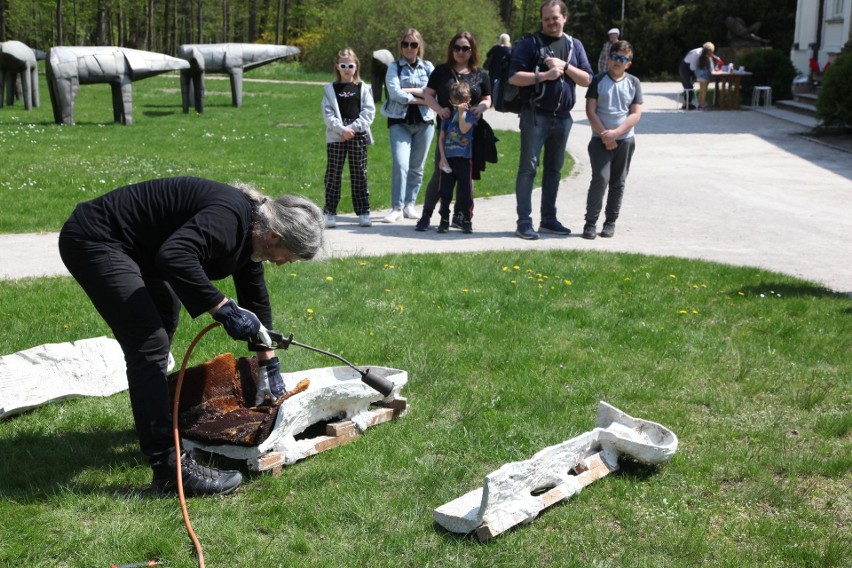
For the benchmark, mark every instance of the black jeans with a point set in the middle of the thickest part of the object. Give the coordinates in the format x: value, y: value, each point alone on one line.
x: 687, y: 79
x: 143, y: 313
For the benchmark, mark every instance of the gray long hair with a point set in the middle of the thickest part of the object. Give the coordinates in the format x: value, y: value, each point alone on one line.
x: 297, y: 220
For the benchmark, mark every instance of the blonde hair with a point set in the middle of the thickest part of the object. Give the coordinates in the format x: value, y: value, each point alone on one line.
x: 411, y: 32
x: 349, y: 54
x: 505, y: 40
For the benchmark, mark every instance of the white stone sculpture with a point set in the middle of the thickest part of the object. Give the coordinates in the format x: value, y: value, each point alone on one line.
x: 69, y: 67
x: 517, y: 492
x: 59, y: 371
x: 231, y: 58
x: 18, y: 63
x: 336, y: 395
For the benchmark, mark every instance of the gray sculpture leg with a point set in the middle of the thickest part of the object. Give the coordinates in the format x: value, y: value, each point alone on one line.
x: 122, y: 101
x: 26, y: 87
x: 185, y: 90
x: 36, y: 98
x: 237, y: 86
x: 3, y: 77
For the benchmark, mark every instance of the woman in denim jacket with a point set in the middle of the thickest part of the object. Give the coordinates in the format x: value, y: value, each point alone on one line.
x: 411, y: 124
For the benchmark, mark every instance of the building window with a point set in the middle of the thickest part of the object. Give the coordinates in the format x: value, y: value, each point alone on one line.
x: 835, y: 10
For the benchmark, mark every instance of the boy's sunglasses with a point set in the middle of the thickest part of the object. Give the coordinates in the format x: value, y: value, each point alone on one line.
x: 462, y: 48
x: 343, y: 66
x: 409, y: 44
x: 617, y: 57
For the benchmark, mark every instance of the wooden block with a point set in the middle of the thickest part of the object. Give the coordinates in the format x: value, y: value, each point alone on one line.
x: 273, y: 461
x: 379, y: 416
x: 339, y: 428
x: 322, y: 443
x: 593, y: 469
x: 399, y: 405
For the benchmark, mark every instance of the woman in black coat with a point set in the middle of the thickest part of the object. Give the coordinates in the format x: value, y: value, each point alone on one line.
x: 143, y: 250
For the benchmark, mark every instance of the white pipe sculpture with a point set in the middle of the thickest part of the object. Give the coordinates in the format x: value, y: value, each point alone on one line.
x: 231, y: 58
x: 18, y: 62
x: 517, y: 492
x: 69, y: 67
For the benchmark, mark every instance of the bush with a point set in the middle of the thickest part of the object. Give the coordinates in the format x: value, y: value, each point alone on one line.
x: 770, y: 67
x: 834, y: 102
x: 479, y: 17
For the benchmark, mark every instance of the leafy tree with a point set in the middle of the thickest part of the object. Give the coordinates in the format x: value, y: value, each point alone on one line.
x: 350, y: 24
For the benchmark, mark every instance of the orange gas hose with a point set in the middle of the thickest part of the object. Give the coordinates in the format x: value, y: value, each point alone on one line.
x: 195, y: 542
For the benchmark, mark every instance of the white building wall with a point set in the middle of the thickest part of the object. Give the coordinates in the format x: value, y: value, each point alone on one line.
x: 836, y: 19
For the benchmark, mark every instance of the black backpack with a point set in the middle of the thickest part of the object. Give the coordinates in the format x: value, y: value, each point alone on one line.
x: 506, y: 97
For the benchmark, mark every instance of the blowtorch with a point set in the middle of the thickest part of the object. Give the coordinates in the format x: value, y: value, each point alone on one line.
x: 371, y: 379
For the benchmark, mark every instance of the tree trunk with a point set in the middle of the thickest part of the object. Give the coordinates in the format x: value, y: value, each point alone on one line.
x: 4, y: 7
x: 60, y: 39
x: 252, y: 22
x: 225, y: 22
x: 507, y: 12
x: 200, y: 16
x: 101, y: 23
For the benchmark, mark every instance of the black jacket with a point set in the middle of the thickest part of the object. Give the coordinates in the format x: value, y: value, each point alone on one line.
x: 186, y: 231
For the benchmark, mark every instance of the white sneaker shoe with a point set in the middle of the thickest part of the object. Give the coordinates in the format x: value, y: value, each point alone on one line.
x: 392, y: 217
x: 365, y: 221
x: 330, y: 221
x: 409, y: 213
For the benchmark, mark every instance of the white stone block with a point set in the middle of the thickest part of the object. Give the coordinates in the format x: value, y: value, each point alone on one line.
x: 59, y: 371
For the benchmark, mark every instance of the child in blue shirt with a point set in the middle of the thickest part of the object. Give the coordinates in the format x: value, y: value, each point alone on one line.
x: 455, y: 144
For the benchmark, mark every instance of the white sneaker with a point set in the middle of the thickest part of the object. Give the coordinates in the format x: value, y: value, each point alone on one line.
x: 330, y: 221
x: 392, y: 217
x: 409, y: 213
x: 365, y: 221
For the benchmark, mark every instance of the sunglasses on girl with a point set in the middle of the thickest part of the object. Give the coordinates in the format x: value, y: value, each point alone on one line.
x: 617, y: 57
x: 409, y: 44
x: 344, y: 66
x: 462, y: 48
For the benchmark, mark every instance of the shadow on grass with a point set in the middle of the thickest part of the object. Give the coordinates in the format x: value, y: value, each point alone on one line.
x: 36, y: 466
x: 785, y: 290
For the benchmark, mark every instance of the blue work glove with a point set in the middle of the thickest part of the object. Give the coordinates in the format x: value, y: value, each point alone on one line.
x: 269, y: 381
x: 241, y: 324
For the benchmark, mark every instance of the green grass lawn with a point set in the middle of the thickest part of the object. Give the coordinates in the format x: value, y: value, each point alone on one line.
x: 506, y: 353
x: 276, y: 141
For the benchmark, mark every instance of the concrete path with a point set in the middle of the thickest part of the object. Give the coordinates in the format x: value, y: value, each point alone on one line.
x: 738, y: 187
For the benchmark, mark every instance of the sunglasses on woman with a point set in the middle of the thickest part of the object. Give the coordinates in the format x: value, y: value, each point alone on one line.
x: 409, y: 44
x: 462, y: 48
x: 617, y: 57
x: 344, y: 66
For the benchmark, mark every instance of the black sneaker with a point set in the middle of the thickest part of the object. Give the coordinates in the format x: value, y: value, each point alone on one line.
x: 444, y: 225
x: 422, y: 224
x: 458, y: 221
x: 525, y: 231
x: 589, y: 231
x: 467, y: 227
x: 608, y: 230
x: 554, y: 227
x: 197, y: 479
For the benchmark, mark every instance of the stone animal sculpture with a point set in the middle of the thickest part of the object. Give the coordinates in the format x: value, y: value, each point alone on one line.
x: 69, y: 67
x: 382, y: 59
x: 18, y: 62
x: 231, y: 58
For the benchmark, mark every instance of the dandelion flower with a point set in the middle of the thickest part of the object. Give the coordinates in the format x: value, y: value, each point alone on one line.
x: 567, y: 282
x: 329, y: 278
x: 672, y: 276
x: 505, y: 269
x: 681, y: 311
x: 310, y: 310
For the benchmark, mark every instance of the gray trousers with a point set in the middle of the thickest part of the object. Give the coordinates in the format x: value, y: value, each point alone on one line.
x: 609, y: 168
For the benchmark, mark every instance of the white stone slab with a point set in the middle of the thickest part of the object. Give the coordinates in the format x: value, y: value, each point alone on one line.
x: 518, y: 491
x: 59, y: 371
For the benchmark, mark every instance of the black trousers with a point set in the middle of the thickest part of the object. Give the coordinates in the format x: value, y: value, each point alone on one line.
x: 143, y: 313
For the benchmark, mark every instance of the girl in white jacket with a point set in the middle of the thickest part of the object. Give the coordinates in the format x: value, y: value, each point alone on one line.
x: 348, y: 110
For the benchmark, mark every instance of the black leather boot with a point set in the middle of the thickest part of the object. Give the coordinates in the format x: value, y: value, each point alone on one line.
x: 197, y: 479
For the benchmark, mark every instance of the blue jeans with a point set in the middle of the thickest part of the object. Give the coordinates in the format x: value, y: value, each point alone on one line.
x: 551, y: 133
x: 409, y: 147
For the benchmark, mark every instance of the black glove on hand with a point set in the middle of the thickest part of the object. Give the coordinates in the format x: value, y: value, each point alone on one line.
x: 269, y: 381
x: 241, y: 324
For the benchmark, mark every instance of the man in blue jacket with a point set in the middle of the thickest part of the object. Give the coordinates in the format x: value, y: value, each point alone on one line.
x: 549, y: 64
